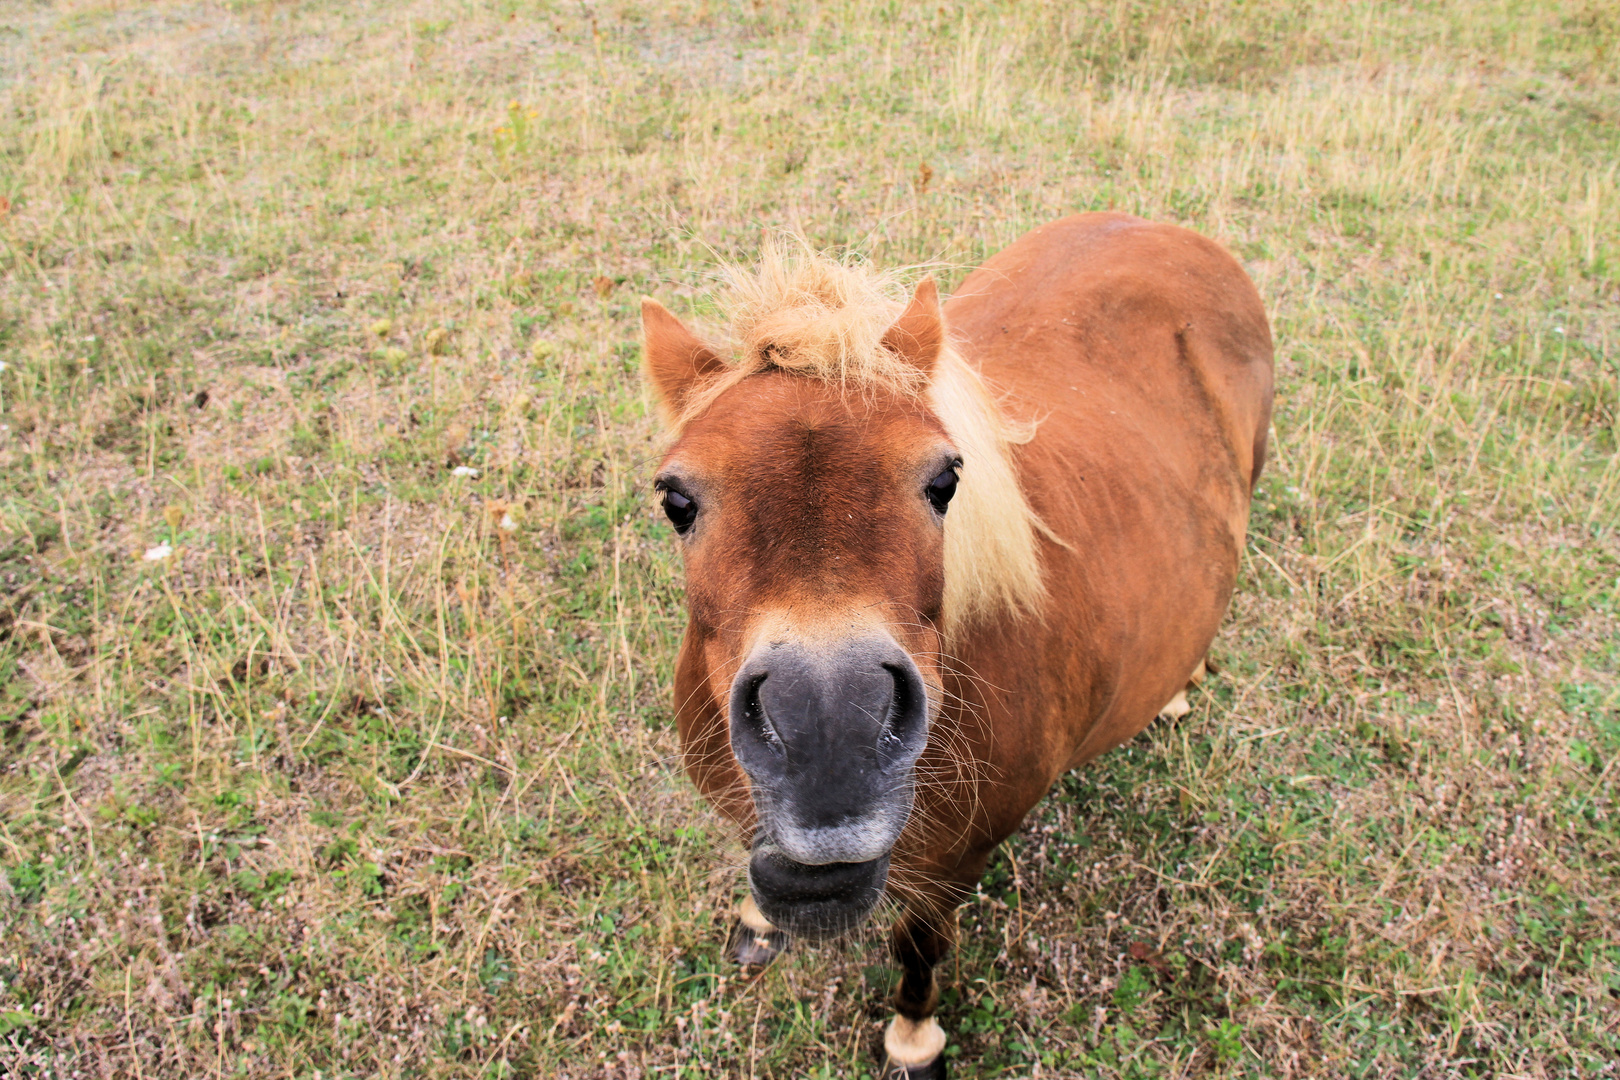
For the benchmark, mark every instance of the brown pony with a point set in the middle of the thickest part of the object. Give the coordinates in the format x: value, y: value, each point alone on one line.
x: 937, y: 557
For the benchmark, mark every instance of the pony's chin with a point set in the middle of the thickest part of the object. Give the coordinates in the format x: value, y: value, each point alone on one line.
x: 815, y: 903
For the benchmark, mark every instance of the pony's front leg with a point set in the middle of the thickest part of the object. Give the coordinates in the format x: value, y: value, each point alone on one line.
x: 754, y: 941
x: 914, y: 1044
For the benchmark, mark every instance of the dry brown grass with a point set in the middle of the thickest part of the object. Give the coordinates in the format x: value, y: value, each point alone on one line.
x: 359, y: 782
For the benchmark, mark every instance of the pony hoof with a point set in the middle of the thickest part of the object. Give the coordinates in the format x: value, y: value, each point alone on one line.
x: 1176, y: 708
x: 754, y: 948
x: 913, y: 1050
x: 932, y: 1070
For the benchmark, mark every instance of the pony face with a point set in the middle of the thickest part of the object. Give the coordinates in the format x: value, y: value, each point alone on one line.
x: 810, y: 486
x: 812, y: 522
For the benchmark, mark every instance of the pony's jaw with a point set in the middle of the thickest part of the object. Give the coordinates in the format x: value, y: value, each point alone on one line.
x: 829, y: 732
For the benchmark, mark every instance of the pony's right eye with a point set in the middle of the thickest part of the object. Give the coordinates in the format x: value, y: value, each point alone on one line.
x: 680, y: 510
x: 941, y: 488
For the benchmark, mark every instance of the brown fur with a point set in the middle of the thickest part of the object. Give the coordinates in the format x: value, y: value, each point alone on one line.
x: 1133, y: 364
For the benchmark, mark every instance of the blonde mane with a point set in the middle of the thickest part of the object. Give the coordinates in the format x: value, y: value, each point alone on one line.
x: 806, y: 313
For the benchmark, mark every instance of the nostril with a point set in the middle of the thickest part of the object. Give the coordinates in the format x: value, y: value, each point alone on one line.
x: 751, y: 714
x: 906, y: 709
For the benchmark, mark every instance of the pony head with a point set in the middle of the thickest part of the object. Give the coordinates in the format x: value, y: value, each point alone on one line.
x: 847, y: 508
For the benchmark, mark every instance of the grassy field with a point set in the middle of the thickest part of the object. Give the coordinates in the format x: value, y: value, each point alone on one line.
x: 321, y: 756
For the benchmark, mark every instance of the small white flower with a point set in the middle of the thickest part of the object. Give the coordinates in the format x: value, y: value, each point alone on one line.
x: 507, y: 524
x: 1499, y: 296
x: 463, y: 470
x: 2, y: 365
x: 1558, y: 329
x: 158, y: 553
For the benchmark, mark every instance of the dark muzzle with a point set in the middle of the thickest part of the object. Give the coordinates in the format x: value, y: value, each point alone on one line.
x: 829, y: 735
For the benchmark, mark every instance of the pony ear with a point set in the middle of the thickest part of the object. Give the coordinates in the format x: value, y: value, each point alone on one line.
x: 676, y: 359
x: 918, y: 336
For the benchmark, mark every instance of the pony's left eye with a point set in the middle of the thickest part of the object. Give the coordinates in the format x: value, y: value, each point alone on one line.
x: 941, y: 488
x: 680, y: 510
